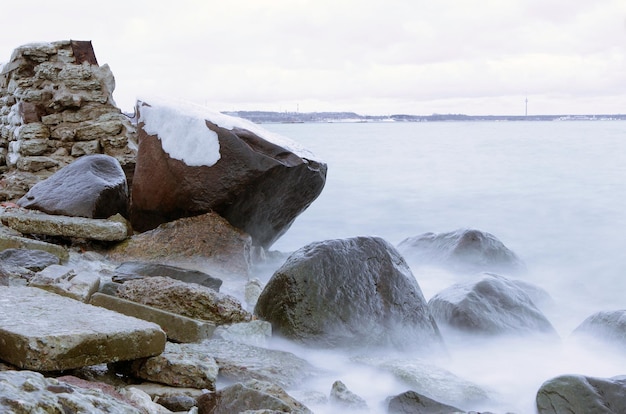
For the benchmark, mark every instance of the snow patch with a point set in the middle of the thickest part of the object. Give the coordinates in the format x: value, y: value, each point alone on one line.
x: 161, y: 118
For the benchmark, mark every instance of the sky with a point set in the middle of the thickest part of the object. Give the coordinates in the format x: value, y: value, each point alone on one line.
x: 373, y: 57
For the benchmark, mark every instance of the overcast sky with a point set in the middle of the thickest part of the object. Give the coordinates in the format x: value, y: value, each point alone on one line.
x: 368, y: 56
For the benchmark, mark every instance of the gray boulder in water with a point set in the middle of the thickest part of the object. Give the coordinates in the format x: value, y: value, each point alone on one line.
x: 491, y: 305
x: 609, y: 326
x: 581, y: 394
x: 411, y: 402
x: 94, y: 186
x: 463, y: 250
x: 349, y: 293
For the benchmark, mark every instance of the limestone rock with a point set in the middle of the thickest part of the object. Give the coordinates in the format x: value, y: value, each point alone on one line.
x: 259, y: 182
x: 255, y: 333
x: 176, y: 399
x: 47, y: 332
x: 411, y: 402
x: 34, y: 260
x: 207, y: 239
x: 462, y: 250
x: 178, y: 366
x: 355, y: 292
x: 581, y: 394
x: 137, y: 270
x: 341, y: 396
x: 25, y: 392
x: 12, y: 239
x: 187, y: 299
x: 252, y: 396
x: 93, y: 186
x: 64, y: 280
x: 493, y: 305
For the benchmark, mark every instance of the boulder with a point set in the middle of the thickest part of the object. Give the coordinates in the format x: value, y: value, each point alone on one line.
x: 139, y: 270
x: 608, y: 326
x: 178, y: 366
x: 462, y: 250
x: 93, y: 186
x: 187, y: 299
x: 31, y: 392
x: 43, y: 331
x: 64, y: 280
x: 191, y: 161
x: 207, y: 240
x: 411, y: 402
x: 492, y: 305
x: 581, y: 394
x: 344, y: 399
x: 354, y: 292
x: 251, y: 396
x: 34, y: 260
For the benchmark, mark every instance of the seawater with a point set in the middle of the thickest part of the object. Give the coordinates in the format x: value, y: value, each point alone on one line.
x: 553, y: 192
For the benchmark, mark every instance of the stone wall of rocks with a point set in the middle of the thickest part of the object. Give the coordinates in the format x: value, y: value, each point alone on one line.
x: 56, y: 105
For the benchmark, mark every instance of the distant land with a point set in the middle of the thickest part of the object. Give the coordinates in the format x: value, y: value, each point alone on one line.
x: 302, y: 117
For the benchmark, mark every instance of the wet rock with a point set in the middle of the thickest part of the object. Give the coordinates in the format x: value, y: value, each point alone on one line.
x: 253, y: 395
x: 343, y: 398
x: 12, y: 239
x: 5, y: 276
x: 355, y: 292
x: 64, y: 280
x: 137, y: 270
x: 208, y: 240
x: 240, y: 362
x: 173, y: 398
x: 34, y: 260
x: 493, y: 305
x: 93, y: 186
x: 187, y: 299
x: 256, y: 180
x: 47, y: 332
x: 255, y: 333
x: 430, y: 380
x: 178, y: 366
x: 463, y: 250
x: 410, y: 402
x: 608, y: 326
x: 23, y: 392
x: 581, y: 394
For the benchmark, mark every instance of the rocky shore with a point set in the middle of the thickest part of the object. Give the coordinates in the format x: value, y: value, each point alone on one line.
x: 136, y: 274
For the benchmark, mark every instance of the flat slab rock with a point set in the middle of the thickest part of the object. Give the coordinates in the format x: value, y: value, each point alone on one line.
x: 43, y: 331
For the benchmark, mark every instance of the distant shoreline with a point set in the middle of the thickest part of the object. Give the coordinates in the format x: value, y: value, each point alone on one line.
x: 351, y: 117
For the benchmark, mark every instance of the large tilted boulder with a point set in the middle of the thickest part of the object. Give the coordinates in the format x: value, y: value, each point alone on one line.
x: 350, y: 293
x: 93, y: 186
x: 191, y: 161
x: 492, y: 305
x: 462, y: 250
x: 581, y: 394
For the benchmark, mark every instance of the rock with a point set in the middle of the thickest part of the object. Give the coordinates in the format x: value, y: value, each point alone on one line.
x: 23, y: 392
x: 430, y: 380
x: 463, y: 250
x: 187, y: 299
x: 207, y: 239
x: 253, y: 395
x: 493, y: 306
x: 608, y: 326
x: 178, y: 366
x: 34, y: 260
x: 64, y: 226
x: 143, y: 401
x: 93, y: 186
x: 11, y: 239
x: 138, y: 270
x: 255, y: 333
x: 240, y: 362
x: 173, y: 398
x: 342, y: 397
x: 177, y: 327
x: 410, y: 402
x: 258, y: 181
x: 581, y: 394
x: 5, y: 276
x: 46, y: 332
x: 349, y: 293
x: 63, y: 280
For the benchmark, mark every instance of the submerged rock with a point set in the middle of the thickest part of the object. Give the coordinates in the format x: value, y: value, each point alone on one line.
x: 609, y: 326
x: 93, y: 186
x: 581, y: 394
x: 350, y: 293
x: 411, y: 402
x: 344, y: 399
x: 256, y: 180
x: 463, y: 250
x: 493, y: 305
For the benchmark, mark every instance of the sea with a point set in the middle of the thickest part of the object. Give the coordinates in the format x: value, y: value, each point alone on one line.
x: 554, y: 192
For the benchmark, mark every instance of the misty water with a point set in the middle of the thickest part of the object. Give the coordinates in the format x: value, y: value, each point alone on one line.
x: 553, y: 192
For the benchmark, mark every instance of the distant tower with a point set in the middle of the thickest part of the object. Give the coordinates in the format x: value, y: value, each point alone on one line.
x: 526, y: 109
